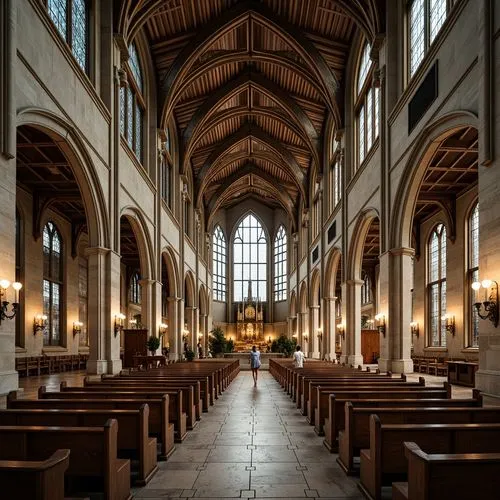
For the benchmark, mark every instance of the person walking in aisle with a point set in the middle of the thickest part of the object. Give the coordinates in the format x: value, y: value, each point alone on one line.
x: 298, y: 358
x: 255, y: 364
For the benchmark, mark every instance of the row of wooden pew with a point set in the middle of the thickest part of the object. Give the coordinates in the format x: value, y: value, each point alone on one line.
x: 394, y: 432
x: 38, y: 365
x: 106, y: 434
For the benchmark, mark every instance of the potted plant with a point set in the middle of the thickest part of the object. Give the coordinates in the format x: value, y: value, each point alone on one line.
x: 153, y: 344
x: 284, y: 345
x: 217, y: 342
x: 189, y: 354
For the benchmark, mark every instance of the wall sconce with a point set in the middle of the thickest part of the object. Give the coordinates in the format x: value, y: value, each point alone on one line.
x: 490, y: 304
x: 371, y: 323
x: 414, y: 328
x: 39, y: 323
x: 4, y: 285
x: 132, y: 323
x: 305, y: 337
x: 269, y: 339
x: 162, y: 328
x: 320, y: 334
x: 341, y: 330
x: 119, y: 319
x: 77, y: 327
x: 449, y: 323
x: 380, y: 319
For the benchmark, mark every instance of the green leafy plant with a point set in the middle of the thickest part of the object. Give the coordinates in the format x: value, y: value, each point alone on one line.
x: 229, y: 346
x: 153, y: 343
x: 189, y: 354
x: 217, y: 342
x: 284, y: 345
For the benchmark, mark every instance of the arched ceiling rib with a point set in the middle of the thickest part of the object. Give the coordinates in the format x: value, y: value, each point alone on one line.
x: 250, y: 85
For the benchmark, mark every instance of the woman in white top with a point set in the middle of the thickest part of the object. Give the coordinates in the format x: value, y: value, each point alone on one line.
x: 298, y: 358
x: 255, y: 364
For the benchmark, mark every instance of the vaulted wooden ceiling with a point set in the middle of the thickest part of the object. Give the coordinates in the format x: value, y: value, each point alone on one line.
x: 249, y: 84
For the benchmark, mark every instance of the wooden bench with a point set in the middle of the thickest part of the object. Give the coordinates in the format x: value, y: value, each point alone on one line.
x: 384, y: 462
x: 462, y: 476
x: 34, y: 480
x: 176, y: 412
x: 93, y: 455
x: 133, y: 430
x: 356, y: 435
x: 336, y: 403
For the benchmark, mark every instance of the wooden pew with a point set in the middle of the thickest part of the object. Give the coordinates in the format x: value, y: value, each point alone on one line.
x: 336, y: 402
x: 160, y: 424
x: 356, y: 435
x: 93, y: 454
x: 319, y: 395
x: 462, y: 476
x: 188, y: 395
x: 133, y: 430
x: 34, y: 480
x: 385, y: 462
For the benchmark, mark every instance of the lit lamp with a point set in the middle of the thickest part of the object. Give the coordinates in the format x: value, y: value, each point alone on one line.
x: 320, y: 334
x: 133, y: 323
x: 449, y: 323
x: 162, y: 328
x: 185, y: 333
x: 488, y: 309
x: 4, y: 285
x: 39, y: 323
x: 305, y: 337
x: 77, y: 327
x: 371, y: 323
x: 341, y: 330
x: 119, y: 319
x: 414, y: 328
x: 380, y: 319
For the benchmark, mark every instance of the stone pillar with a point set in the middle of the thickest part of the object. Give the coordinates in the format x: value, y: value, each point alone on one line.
x: 313, y: 336
x: 173, y: 328
x: 395, y: 305
x: 103, y: 306
x: 329, y: 328
x: 203, y: 331
x: 8, y: 8
x: 191, y: 321
x: 151, y: 305
x: 353, y: 322
x: 302, y: 319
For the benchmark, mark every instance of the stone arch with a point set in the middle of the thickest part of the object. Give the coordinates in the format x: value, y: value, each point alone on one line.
x: 203, y: 299
x: 355, y: 257
x: 333, y: 264
x: 303, y: 298
x: 413, y: 173
x: 293, y: 304
x: 168, y: 256
x: 84, y: 170
x: 144, y: 245
x: 189, y: 290
x: 315, y: 288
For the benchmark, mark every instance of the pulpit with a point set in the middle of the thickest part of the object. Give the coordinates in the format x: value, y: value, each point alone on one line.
x: 134, y: 343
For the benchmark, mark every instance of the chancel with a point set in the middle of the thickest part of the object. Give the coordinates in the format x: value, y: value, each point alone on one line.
x: 182, y: 180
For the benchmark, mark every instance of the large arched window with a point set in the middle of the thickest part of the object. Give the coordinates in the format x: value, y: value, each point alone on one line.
x: 219, y: 264
x: 71, y: 18
x: 436, y: 286
x: 135, y: 289
x: 167, y: 171
x: 425, y: 19
x: 52, y: 284
x: 250, y: 259
x: 473, y: 275
x: 280, y: 268
x: 366, y: 289
x: 132, y: 104
x: 366, y: 106
x: 19, y: 275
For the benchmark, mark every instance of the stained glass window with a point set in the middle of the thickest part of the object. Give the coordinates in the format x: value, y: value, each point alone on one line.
x: 425, y: 19
x: 335, y: 182
x: 367, y: 107
x: 135, y: 289
x: 83, y: 300
x: 19, y: 274
x: 71, y: 18
x: 52, y: 284
x: 250, y: 259
x: 219, y: 264
x: 131, y: 105
x: 366, y: 289
x: 436, y: 286
x: 280, y: 266
x: 473, y: 274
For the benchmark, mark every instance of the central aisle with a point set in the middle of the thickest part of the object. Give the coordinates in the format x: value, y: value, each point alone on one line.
x: 253, y: 443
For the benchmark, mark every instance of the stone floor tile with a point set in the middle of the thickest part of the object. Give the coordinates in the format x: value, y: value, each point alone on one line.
x: 190, y: 454
x: 230, y: 454
x: 267, y: 453
x: 165, y: 479
x: 276, y: 473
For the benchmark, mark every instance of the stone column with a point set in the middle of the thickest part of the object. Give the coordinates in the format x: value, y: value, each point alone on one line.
x: 395, y: 282
x: 150, y: 305
x: 329, y: 327
x: 302, y: 320
x: 313, y: 336
x: 173, y: 328
x: 103, y: 306
x: 353, y: 322
x: 191, y: 321
x: 204, y: 331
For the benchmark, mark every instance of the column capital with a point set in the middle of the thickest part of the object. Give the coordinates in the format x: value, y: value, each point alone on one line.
x: 314, y: 307
x: 330, y: 299
x: 173, y: 299
x: 96, y: 251
x: 191, y: 308
x: 147, y: 281
x: 354, y: 282
x: 409, y: 252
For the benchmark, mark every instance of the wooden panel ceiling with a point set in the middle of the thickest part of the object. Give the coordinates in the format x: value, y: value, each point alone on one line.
x: 224, y: 65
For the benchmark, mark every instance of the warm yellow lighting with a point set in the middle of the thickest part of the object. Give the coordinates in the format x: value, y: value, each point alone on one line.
x: 4, y: 284
x: 476, y: 285
x: 486, y: 283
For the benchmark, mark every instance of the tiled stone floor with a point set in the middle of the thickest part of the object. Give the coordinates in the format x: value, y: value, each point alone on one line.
x: 252, y: 444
